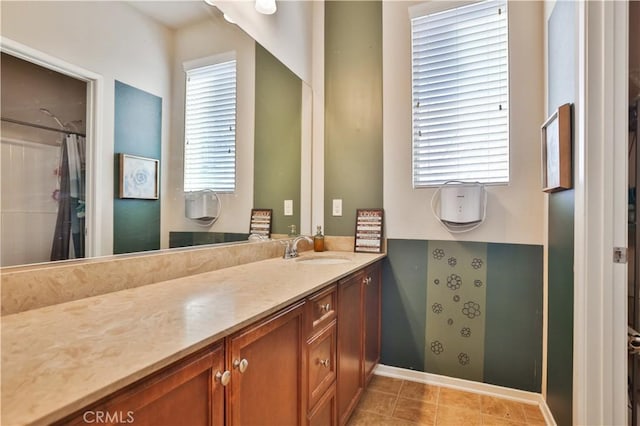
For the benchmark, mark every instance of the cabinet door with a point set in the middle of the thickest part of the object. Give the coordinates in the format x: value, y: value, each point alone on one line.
x: 267, y: 371
x: 372, y: 295
x: 350, y: 348
x: 184, y: 393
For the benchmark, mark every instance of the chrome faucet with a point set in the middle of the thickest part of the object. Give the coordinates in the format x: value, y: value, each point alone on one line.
x: 291, y: 249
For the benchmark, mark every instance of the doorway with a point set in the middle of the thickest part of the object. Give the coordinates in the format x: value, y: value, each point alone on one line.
x: 43, y: 163
x: 634, y: 206
x: 35, y: 122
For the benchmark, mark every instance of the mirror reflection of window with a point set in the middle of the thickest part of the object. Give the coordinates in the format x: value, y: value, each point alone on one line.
x: 210, y: 126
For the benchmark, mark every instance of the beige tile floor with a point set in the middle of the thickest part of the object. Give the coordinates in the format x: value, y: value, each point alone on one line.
x: 394, y: 402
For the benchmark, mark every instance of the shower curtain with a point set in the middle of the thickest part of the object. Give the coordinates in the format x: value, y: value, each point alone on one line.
x: 69, y: 232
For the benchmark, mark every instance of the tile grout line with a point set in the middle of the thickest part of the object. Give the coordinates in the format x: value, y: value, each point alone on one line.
x: 435, y: 417
x: 395, y: 402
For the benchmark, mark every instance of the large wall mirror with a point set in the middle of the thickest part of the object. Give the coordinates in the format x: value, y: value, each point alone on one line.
x: 84, y: 81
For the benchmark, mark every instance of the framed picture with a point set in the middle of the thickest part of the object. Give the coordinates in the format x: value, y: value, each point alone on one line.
x: 556, y: 151
x: 139, y: 177
x: 368, y: 231
x: 260, y: 223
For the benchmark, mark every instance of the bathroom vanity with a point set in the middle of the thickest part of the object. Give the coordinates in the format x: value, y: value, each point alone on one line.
x: 278, y: 342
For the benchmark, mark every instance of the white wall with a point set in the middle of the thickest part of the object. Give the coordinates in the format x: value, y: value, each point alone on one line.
x: 110, y: 39
x: 286, y: 34
x: 515, y: 212
x: 202, y: 40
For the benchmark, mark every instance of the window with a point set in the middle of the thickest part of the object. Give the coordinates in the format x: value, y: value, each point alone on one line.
x: 210, y: 128
x: 461, y: 95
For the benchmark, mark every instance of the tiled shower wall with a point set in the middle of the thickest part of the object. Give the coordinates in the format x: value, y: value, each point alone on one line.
x: 28, y: 208
x: 464, y: 309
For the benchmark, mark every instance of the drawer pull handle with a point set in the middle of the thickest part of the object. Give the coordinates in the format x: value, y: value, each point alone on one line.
x: 223, y: 378
x: 325, y: 308
x: 366, y: 280
x: 324, y: 362
x: 241, y: 365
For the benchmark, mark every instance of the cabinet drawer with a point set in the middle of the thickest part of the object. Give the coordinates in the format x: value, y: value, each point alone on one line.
x: 325, y: 412
x: 321, y: 363
x: 321, y: 309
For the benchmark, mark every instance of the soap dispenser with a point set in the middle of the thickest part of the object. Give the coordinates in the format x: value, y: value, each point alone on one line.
x: 318, y: 240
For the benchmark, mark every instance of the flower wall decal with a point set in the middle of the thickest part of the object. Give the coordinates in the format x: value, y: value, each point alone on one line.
x: 454, y: 320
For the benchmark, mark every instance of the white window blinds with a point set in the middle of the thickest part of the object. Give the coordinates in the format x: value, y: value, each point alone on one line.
x: 210, y: 128
x: 461, y: 95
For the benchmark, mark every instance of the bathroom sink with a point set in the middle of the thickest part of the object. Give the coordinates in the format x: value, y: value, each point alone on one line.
x: 323, y: 260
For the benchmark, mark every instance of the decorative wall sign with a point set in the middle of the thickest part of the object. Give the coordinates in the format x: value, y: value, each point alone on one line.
x: 368, y: 230
x: 139, y: 177
x: 556, y: 150
x: 261, y: 222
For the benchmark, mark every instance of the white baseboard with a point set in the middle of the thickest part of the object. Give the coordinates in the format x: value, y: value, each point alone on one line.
x: 468, y: 385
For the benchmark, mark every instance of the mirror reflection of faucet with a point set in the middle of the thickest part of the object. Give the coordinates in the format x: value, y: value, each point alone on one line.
x: 291, y: 248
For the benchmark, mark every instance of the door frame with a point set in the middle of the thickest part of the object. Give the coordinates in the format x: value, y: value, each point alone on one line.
x: 95, y: 102
x: 601, y: 181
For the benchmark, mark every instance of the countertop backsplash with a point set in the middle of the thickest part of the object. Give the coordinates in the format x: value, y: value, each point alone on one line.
x: 40, y: 285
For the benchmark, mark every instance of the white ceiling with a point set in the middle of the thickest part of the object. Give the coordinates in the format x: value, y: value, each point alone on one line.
x: 175, y: 14
x: 33, y: 87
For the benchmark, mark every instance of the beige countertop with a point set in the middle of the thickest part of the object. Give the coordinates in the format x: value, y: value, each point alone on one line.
x: 61, y: 358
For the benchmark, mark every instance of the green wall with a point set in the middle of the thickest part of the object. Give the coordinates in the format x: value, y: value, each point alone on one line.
x: 562, y: 71
x: 353, y: 110
x: 137, y: 131
x: 404, y: 307
x: 278, y: 115
x: 512, y: 310
x: 188, y: 238
x: 513, y: 338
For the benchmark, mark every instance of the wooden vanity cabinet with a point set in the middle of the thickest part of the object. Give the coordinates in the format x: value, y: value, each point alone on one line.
x: 187, y: 392
x: 359, y: 297
x: 259, y: 380
x: 306, y: 364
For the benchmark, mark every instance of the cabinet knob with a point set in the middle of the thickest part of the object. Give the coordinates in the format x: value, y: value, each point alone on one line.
x: 325, y: 308
x: 324, y: 362
x: 241, y: 365
x: 223, y: 378
x: 366, y: 280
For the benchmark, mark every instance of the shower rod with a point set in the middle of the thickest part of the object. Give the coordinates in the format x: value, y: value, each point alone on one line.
x: 39, y: 126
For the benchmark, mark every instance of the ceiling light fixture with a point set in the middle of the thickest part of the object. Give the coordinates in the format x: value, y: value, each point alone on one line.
x: 226, y: 17
x: 266, y: 7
